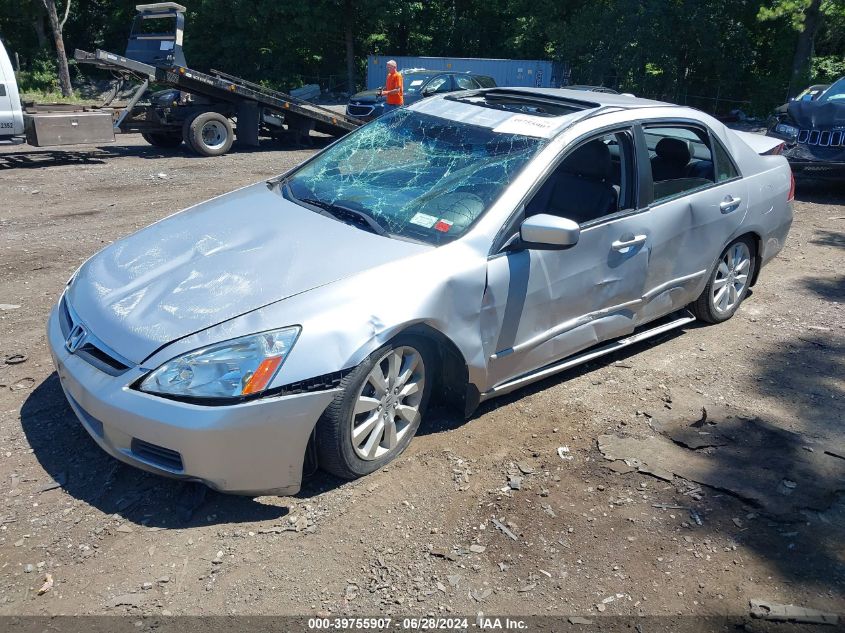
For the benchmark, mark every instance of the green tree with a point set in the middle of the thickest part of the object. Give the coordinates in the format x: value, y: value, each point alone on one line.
x: 807, y: 18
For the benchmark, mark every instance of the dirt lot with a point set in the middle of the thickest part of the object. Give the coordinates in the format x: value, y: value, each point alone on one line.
x: 418, y: 537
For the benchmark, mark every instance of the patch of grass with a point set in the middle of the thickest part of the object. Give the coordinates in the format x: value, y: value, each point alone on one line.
x: 42, y: 96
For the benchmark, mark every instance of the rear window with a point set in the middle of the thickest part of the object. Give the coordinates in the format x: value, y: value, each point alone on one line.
x: 485, y: 82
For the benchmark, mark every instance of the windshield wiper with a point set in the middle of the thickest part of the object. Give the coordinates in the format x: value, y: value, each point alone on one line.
x: 340, y: 212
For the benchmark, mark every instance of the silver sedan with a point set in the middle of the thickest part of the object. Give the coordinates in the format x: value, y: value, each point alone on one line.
x: 454, y: 250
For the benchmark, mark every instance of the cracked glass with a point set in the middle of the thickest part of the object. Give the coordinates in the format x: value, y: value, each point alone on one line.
x: 412, y: 175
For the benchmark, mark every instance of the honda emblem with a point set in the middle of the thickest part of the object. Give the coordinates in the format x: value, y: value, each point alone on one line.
x: 76, y: 338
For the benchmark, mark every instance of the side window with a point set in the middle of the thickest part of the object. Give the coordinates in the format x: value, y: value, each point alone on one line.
x: 2, y: 90
x: 681, y: 160
x: 463, y: 82
x: 594, y: 180
x: 725, y: 169
x: 439, y: 84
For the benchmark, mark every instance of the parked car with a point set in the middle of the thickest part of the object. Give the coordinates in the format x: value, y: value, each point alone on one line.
x: 418, y: 83
x: 813, y: 127
x: 454, y: 250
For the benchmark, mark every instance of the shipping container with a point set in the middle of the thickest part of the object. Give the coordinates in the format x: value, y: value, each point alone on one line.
x: 506, y: 72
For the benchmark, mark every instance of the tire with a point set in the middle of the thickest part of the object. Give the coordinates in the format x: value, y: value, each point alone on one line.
x: 209, y: 134
x: 349, y: 457
x: 729, y: 282
x: 162, y: 139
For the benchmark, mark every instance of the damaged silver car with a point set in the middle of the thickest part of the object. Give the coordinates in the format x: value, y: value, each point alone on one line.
x: 454, y: 250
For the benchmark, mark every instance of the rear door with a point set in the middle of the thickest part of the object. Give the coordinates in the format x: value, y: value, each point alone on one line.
x: 697, y: 205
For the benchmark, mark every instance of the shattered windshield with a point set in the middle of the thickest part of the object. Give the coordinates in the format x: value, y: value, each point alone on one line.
x: 412, y: 175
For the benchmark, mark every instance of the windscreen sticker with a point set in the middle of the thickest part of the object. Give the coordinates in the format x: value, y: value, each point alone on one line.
x: 443, y: 226
x: 416, y: 82
x: 527, y: 126
x: 423, y: 219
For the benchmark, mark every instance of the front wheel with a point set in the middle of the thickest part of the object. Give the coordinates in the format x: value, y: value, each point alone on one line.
x: 377, y: 413
x: 729, y: 283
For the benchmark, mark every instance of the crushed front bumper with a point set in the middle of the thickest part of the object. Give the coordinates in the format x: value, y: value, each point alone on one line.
x: 255, y: 447
x: 815, y: 161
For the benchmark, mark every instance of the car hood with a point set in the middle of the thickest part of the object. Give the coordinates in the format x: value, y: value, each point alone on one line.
x: 366, y: 96
x: 213, y: 262
x: 812, y: 114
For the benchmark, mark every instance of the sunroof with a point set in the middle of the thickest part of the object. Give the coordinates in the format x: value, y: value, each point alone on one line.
x: 523, y: 102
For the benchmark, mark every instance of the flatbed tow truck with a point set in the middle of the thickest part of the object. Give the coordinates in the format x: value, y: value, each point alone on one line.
x: 206, y: 111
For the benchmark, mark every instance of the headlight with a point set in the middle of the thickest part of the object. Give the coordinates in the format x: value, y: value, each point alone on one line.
x: 787, y: 130
x: 240, y: 367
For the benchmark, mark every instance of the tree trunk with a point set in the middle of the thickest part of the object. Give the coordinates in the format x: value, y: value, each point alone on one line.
x: 348, y: 27
x: 61, y: 56
x: 804, y: 49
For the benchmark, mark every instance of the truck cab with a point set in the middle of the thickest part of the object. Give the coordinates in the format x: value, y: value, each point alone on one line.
x: 11, y: 115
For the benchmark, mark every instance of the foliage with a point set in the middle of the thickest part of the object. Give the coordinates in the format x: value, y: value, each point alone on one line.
x: 41, y: 76
x: 682, y: 50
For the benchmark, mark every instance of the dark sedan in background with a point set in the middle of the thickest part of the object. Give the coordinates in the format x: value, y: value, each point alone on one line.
x: 418, y: 84
x: 813, y: 128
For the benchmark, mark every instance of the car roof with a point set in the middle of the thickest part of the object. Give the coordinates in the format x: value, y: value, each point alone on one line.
x: 439, y: 72
x: 539, y: 112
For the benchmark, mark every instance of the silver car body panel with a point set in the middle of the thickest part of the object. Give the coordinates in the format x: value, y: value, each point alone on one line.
x: 251, y: 261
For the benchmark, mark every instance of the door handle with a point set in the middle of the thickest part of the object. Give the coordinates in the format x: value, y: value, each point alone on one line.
x: 729, y: 204
x: 620, y: 245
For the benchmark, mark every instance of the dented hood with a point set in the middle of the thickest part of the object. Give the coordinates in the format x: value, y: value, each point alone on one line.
x: 815, y: 114
x: 216, y: 261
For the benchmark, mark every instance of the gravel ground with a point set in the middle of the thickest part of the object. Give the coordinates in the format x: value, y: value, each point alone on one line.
x: 419, y: 537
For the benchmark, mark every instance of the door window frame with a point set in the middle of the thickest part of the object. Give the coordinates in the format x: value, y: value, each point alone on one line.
x: 449, y: 82
x: 648, y: 179
x: 510, y: 227
x: 473, y: 83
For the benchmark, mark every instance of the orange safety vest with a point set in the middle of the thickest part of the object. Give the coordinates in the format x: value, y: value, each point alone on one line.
x: 395, y: 81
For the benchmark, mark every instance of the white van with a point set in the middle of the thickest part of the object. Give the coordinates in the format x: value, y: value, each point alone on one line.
x: 11, y: 116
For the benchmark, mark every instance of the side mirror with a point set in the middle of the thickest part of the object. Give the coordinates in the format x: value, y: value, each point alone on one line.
x: 549, y: 232
x: 427, y: 92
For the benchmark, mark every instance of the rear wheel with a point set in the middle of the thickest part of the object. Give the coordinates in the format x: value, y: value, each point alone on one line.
x: 377, y: 413
x: 729, y: 283
x: 163, y: 139
x: 209, y: 134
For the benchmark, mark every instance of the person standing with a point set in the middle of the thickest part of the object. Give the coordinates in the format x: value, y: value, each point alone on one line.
x: 393, y: 89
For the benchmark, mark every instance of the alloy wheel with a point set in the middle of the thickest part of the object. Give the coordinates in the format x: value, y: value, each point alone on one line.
x: 387, y: 407
x: 731, y: 278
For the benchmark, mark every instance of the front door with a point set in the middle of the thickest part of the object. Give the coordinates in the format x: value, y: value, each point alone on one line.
x: 544, y: 305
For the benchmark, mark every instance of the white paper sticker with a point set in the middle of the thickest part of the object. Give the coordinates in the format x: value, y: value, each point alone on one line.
x: 166, y: 45
x: 527, y: 126
x: 416, y: 82
x: 424, y: 220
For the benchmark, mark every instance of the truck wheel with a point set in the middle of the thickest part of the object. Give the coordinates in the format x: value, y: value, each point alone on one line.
x: 209, y: 134
x: 162, y: 139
